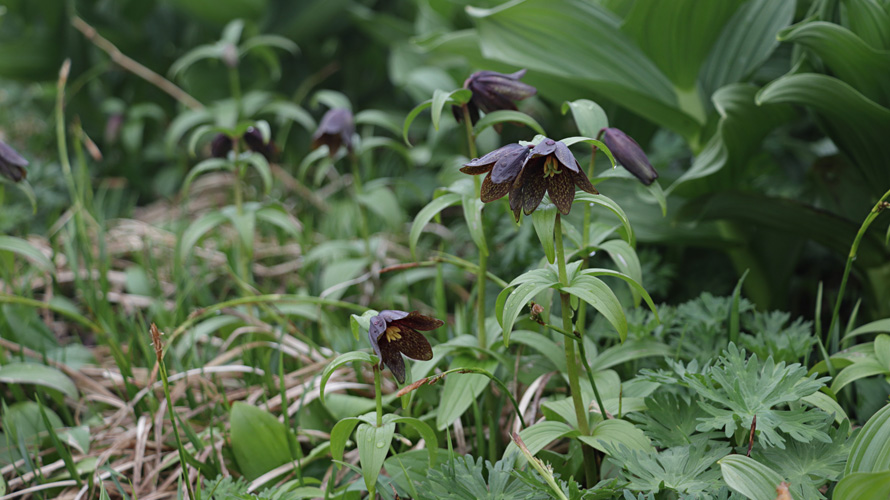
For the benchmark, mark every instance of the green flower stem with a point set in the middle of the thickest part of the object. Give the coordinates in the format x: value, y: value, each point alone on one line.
x: 876, y: 210
x: 378, y: 396
x: 571, y: 360
x: 162, y: 369
x: 357, y: 192
x: 235, y: 88
x: 585, y: 241
x: 483, y: 258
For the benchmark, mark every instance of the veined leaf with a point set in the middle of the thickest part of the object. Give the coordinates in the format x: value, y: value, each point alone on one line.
x: 589, y: 116
x: 259, y: 440
x: 602, y: 298
x: 507, y: 115
x: 871, y: 449
x: 863, y: 486
x: 339, y: 361
x: 33, y: 373
x: 461, y: 389
x: 373, y: 445
x: 749, y: 477
x: 426, y: 214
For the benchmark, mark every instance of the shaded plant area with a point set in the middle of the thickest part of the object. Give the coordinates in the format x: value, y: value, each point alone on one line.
x: 437, y: 249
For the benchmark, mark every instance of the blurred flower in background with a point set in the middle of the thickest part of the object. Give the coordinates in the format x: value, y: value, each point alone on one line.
x: 12, y: 164
x: 335, y: 130
x: 493, y: 91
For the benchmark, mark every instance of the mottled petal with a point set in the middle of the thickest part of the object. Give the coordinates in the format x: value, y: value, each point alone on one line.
x: 414, y: 345
x: 516, y: 199
x: 476, y: 170
x: 508, y: 166
x: 562, y: 191
x: 545, y: 147
x: 392, y: 358
x: 417, y: 321
x: 565, y: 157
x: 491, y: 191
x: 534, y: 184
x: 580, y: 179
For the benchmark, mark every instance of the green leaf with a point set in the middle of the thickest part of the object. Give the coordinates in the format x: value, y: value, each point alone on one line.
x: 214, y: 51
x: 425, y: 431
x: 507, y: 115
x: 879, y: 326
x: 261, y: 165
x: 605, y: 201
x: 473, y: 215
x: 378, y: 118
x: 629, y: 351
x: 461, y: 389
x: 25, y: 249
x: 745, y: 42
x: 517, y: 300
x: 426, y: 214
x: 539, y: 436
x: 749, y: 477
x: 244, y: 222
x: 373, y: 445
x: 208, y: 165
x: 863, y: 486
x: 33, y: 373
x: 827, y: 404
x: 847, y: 57
x: 870, y: 21
x: 259, y: 440
x: 289, y: 111
x: 625, y: 257
x: 580, y: 43
x: 340, y: 435
x: 589, y: 116
x: 544, y: 220
x: 571, y: 141
x: 332, y: 99
x: 614, y: 432
x: 276, y: 41
x: 854, y: 122
x: 871, y: 448
x: 439, y: 100
x: 361, y: 323
x: 602, y: 298
x: 540, y: 343
x: 280, y: 218
x: 861, y: 368
x: 339, y: 361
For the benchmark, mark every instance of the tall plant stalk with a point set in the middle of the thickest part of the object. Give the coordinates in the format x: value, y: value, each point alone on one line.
x: 483, y: 257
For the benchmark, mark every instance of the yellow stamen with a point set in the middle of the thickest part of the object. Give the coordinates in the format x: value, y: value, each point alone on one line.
x: 551, y: 166
x: 392, y: 334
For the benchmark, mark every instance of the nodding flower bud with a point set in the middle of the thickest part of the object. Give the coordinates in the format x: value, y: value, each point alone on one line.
x: 493, y: 91
x: 253, y: 138
x: 12, y: 164
x: 336, y: 129
x: 629, y: 154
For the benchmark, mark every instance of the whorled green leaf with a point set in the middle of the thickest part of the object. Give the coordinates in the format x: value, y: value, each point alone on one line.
x: 439, y: 100
x: 869, y: 20
x: 280, y: 218
x: 214, y: 51
x: 473, y: 216
x: 571, y: 141
x: 878, y: 326
x: 425, y: 431
x: 605, y: 201
x: 196, y: 136
x: 507, y: 115
x: 25, y: 249
x: 632, y: 283
x: 184, y: 122
x: 863, y: 486
x: 461, y: 389
x: 614, y: 432
x: 243, y: 221
x: 42, y: 375
x: 339, y: 361
x: 284, y: 111
x: 261, y: 165
x: 426, y: 214
x: 259, y: 440
x: 340, y: 435
x: 628, y: 351
x: 544, y: 221
x: 589, y: 116
x: 749, y: 477
x: 625, y: 257
x: 511, y: 303
x: 276, y: 41
x: 861, y: 368
x: 602, y: 298
x: 358, y: 324
x: 203, y: 167
x: 373, y: 445
x: 871, y: 448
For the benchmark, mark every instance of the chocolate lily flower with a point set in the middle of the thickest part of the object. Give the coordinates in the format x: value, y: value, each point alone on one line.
x: 493, y: 91
x: 527, y: 173
x: 12, y: 165
x: 502, y: 166
x: 222, y: 144
x: 629, y: 154
x: 336, y: 129
x: 394, y: 333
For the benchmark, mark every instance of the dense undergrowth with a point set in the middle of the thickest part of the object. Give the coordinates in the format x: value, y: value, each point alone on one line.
x: 242, y: 257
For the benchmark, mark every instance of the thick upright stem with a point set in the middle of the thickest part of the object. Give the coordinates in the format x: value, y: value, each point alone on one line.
x: 378, y: 395
x: 483, y: 258
x: 357, y: 192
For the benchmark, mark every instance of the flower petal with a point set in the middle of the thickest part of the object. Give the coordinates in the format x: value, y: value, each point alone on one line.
x: 565, y: 157
x: 492, y: 157
x: 476, y: 169
x: 562, y: 191
x: 414, y: 345
x: 516, y: 199
x: 545, y: 147
x: 417, y: 321
x: 390, y: 315
x: 491, y: 191
x: 378, y: 326
x: 580, y: 179
x: 534, y: 184
x: 392, y: 358
x: 508, y: 166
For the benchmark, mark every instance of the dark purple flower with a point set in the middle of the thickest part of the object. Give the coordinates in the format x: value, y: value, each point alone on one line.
x: 336, y: 129
x: 222, y: 144
x: 394, y: 333
x: 493, y: 91
x: 629, y: 155
x: 526, y: 173
x: 12, y: 165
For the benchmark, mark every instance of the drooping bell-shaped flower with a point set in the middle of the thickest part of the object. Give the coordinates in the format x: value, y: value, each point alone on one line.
x: 335, y: 130
x: 493, y: 91
x: 394, y: 333
x: 12, y: 164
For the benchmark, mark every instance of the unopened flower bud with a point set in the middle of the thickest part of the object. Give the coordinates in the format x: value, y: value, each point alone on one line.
x: 629, y: 155
x: 12, y: 164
